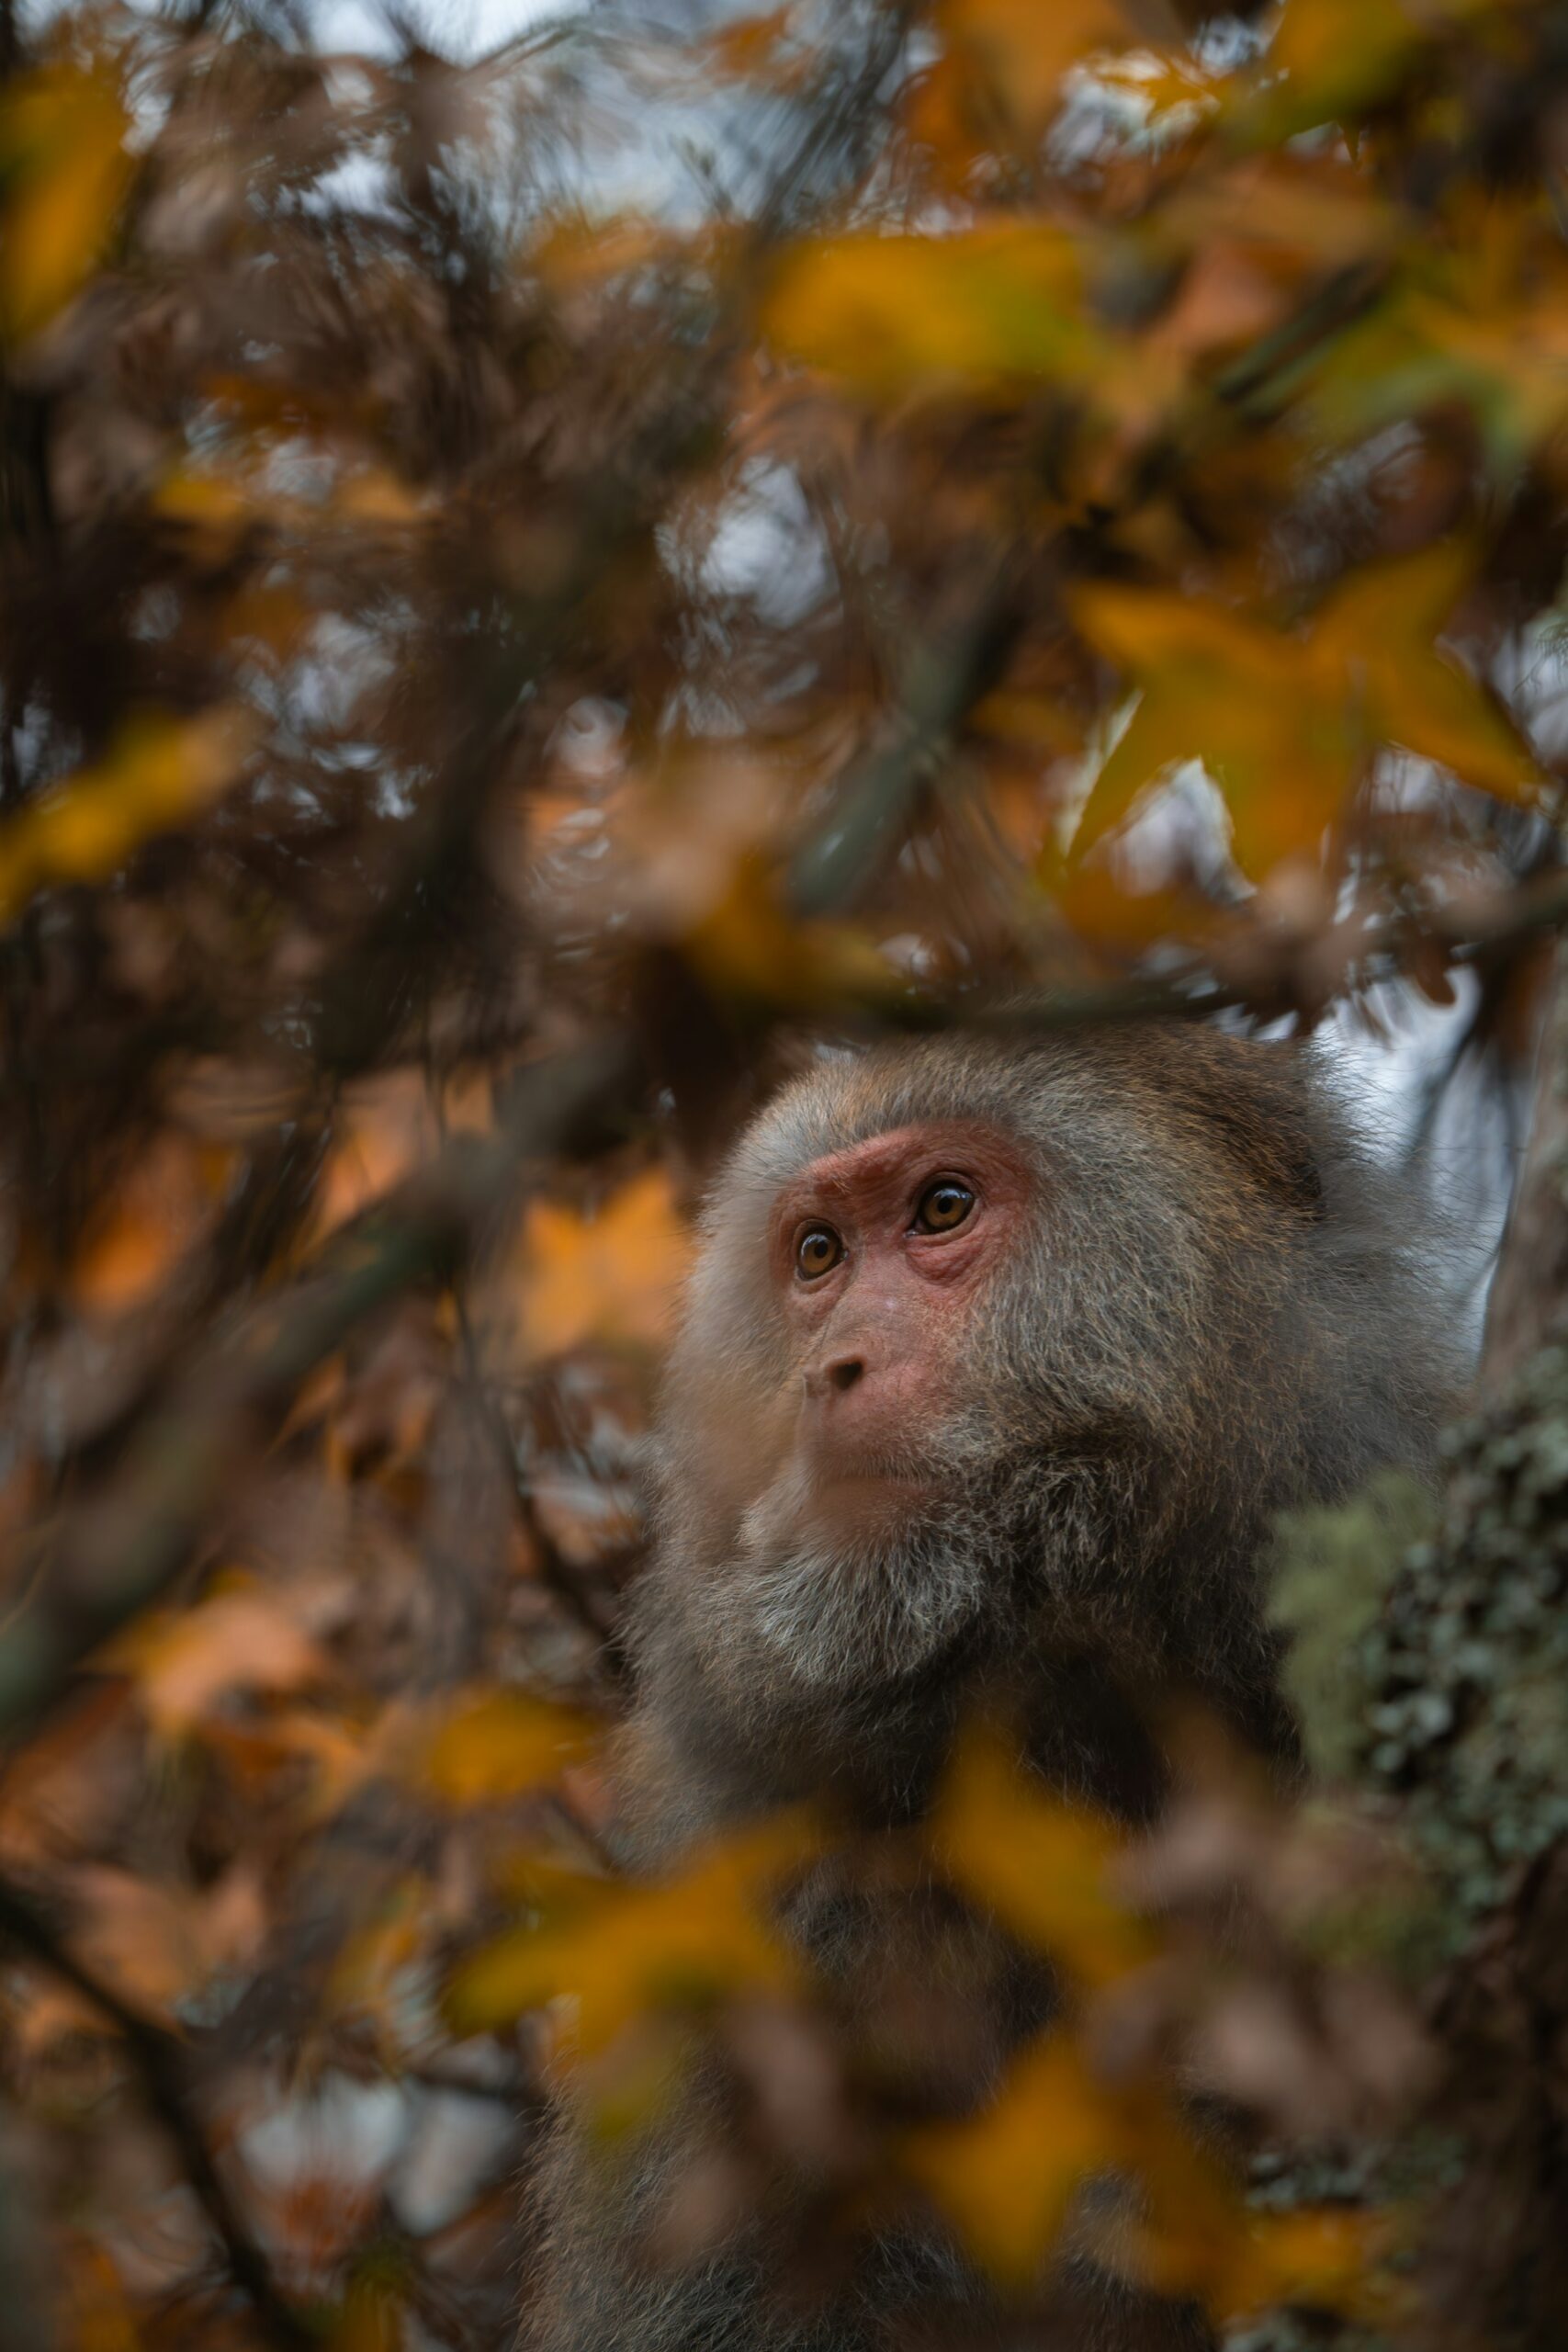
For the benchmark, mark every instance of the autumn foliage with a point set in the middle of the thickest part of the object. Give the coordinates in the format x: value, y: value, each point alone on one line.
x: 526, y: 588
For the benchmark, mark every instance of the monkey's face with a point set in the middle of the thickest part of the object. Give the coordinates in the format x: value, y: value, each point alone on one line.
x: 849, y: 1467
x: 880, y: 1260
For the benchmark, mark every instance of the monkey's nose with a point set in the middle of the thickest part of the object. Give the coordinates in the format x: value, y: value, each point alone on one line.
x: 834, y: 1376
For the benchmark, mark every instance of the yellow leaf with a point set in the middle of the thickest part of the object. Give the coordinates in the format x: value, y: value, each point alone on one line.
x: 64, y: 166
x: 184, y: 1661
x: 372, y: 2318
x: 492, y: 1744
x: 214, y: 508
x: 1382, y: 623
x: 1286, y: 721
x: 161, y: 774
x: 611, y: 1274
x: 997, y: 304
x: 1274, y: 722
x: 1336, y: 58
x: 1042, y: 1865
x: 746, y: 945
x: 1006, y: 2178
x: 622, y: 1952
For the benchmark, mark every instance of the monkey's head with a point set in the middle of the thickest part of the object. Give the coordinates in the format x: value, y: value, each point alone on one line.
x: 992, y: 1344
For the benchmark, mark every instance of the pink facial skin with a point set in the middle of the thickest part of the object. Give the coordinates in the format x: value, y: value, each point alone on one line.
x: 880, y: 1339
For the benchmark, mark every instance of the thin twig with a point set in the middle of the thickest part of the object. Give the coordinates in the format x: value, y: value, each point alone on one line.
x: 157, y: 2060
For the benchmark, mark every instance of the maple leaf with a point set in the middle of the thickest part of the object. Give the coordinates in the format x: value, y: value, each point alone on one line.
x: 1382, y: 624
x: 1286, y: 721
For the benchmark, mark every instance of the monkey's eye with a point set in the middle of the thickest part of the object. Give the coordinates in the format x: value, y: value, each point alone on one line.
x: 817, y: 1252
x: 943, y: 1205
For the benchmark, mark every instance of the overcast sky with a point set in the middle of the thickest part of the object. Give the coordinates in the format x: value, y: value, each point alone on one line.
x: 458, y: 28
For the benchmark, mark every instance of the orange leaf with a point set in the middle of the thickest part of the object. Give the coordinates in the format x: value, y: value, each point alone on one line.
x: 184, y: 1661
x: 384, y: 1127
x: 161, y: 1207
x: 156, y: 1943
x: 610, y: 1275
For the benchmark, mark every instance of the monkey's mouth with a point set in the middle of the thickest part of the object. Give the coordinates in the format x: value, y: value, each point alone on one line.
x: 867, y: 1498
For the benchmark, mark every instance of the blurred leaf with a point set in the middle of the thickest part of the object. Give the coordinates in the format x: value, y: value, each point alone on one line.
x: 1008, y: 2176
x: 892, y: 314
x: 748, y: 946
x: 1197, y: 2239
x: 373, y: 2318
x: 383, y: 1129
x: 768, y: 48
x: 160, y: 1207
x: 1321, y: 2258
x: 100, y: 2315
x: 1286, y: 721
x: 184, y: 1661
x: 492, y: 1745
x: 1044, y: 1866
x: 64, y: 170
x: 685, y: 1941
x: 161, y: 774
x: 156, y: 1944
x: 1021, y: 51
x: 611, y: 1275
x: 1272, y: 724
x: 1337, y: 58
x: 1380, y: 624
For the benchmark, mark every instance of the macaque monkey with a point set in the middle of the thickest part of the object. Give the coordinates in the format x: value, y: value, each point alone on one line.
x: 999, y: 1360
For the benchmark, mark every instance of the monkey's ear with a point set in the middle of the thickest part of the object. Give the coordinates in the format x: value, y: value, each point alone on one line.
x: 1258, y: 1096
x: 1271, y: 1135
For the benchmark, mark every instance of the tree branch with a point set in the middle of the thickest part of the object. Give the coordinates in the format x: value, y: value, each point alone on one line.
x: 125, y: 1543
